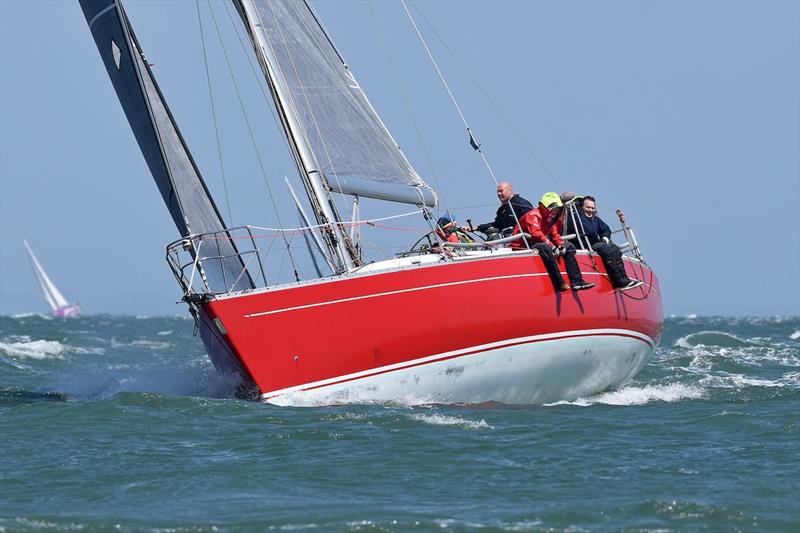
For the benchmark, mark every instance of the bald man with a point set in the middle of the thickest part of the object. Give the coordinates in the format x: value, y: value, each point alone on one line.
x: 504, y: 218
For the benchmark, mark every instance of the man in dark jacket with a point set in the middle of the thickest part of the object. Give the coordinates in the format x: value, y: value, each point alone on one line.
x: 598, y: 235
x: 505, y: 219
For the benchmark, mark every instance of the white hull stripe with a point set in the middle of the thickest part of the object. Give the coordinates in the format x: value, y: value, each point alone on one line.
x: 400, y: 291
x: 389, y: 293
x: 460, y: 353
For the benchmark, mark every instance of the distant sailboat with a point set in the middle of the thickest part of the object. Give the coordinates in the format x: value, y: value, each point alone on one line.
x: 59, y: 305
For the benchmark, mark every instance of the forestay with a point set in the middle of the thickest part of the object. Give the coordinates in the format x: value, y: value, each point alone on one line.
x: 332, y: 124
x: 178, y: 179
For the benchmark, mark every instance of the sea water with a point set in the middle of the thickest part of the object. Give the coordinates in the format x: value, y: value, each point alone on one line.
x: 121, y: 424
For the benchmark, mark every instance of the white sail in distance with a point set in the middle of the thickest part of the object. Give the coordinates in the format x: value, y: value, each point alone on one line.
x: 333, y: 126
x: 50, y: 292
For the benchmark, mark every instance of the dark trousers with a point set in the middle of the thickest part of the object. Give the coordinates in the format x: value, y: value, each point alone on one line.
x: 550, y: 263
x: 612, y: 259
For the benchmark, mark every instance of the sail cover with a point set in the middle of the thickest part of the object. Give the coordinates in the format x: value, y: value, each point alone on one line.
x: 162, y: 145
x: 330, y: 114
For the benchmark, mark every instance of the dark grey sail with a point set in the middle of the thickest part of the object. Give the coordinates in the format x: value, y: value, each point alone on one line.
x: 175, y: 172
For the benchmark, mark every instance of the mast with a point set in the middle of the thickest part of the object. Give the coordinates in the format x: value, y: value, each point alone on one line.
x: 324, y: 211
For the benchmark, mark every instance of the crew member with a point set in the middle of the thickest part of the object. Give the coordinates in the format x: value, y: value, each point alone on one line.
x: 511, y: 204
x: 541, y: 224
x: 598, y: 236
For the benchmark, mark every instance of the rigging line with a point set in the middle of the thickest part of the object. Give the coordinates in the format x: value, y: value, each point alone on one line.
x: 214, y: 114
x: 473, y: 141
x: 355, y: 222
x: 489, y: 99
x: 258, y: 77
x: 249, y: 128
x: 405, y: 101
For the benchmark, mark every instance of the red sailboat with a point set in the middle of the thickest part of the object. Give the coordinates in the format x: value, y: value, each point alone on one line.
x: 294, y: 342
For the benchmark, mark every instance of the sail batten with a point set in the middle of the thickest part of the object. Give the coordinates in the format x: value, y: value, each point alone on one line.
x: 339, y: 134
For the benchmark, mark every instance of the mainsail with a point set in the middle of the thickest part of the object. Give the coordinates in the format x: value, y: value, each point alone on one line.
x: 337, y: 133
x: 50, y: 292
x: 178, y: 179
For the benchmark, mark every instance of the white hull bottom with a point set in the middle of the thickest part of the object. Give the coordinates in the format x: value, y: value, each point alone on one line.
x: 531, y: 370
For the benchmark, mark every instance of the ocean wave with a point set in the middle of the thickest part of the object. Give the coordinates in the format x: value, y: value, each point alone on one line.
x: 103, y: 383
x: 794, y: 336
x: 712, y: 338
x: 445, y: 420
x: 345, y: 416
x: 740, y: 360
x: 154, y: 345
x: 740, y: 381
x: 12, y: 363
x: 635, y: 395
x: 31, y: 315
x: 792, y: 379
x: 23, y: 347
x: 39, y: 349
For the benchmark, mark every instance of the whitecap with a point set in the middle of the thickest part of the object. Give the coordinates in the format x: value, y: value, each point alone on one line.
x: 153, y: 345
x: 794, y: 336
x: 39, y: 349
x: 632, y: 395
x: 711, y: 338
x: 792, y: 379
x: 444, y: 420
x: 168, y: 332
x: 346, y: 416
x: 691, y: 315
x: 738, y: 381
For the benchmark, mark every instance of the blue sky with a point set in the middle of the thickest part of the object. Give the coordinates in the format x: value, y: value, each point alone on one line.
x: 685, y: 114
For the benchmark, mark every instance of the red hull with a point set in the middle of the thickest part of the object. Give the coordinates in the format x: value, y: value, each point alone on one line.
x: 301, y: 335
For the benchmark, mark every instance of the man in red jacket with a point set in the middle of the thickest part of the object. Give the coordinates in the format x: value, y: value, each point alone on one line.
x: 542, y: 224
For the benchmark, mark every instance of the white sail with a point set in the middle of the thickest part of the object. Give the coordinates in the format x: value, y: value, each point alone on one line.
x: 334, y: 127
x: 51, y: 293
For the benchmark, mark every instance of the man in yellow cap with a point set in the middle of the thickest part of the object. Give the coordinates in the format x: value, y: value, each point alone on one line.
x: 542, y: 224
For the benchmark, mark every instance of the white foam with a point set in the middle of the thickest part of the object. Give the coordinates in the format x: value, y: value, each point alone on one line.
x: 155, y: 345
x: 792, y: 379
x: 444, y: 420
x: 346, y: 416
x: 710, y: 338
x: 39, y: 349
x: 739, y: 381
x: 794, y: 336
x: 639, y: 395
x: 31, y: 315
x: 168, y: 332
